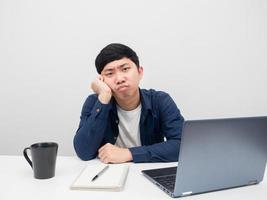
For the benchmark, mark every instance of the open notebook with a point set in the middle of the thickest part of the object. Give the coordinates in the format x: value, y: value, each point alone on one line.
x: 113, y: 179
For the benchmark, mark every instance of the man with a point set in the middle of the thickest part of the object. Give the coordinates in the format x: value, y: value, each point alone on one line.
x: 120, y: 122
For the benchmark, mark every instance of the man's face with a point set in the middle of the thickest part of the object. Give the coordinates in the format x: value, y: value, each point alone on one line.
x: 123, y: 77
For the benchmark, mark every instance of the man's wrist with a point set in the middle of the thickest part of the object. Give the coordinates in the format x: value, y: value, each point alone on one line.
x: 104, y: 98
x: 129, y: 155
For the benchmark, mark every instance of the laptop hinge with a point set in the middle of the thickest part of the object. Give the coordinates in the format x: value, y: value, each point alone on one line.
x: 252, y: 182
x: 187, y: 193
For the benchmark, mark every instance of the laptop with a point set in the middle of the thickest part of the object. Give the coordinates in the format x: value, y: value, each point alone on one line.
x: 216, y: 154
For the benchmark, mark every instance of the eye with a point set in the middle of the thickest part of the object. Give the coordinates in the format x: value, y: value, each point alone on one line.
x: 125, y: 69
x: 109, y: 74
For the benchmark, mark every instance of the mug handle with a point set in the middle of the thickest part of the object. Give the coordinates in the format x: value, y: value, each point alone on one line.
x: 26, y: 156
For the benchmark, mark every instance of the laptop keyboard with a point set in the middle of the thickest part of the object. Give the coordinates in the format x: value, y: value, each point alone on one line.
x: 164, y: 177
x: 167, y: 181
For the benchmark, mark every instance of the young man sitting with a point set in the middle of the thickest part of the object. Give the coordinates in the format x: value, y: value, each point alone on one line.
x: 121, y: 122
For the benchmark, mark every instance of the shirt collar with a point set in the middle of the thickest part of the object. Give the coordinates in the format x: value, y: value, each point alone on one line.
x: 144, y: 98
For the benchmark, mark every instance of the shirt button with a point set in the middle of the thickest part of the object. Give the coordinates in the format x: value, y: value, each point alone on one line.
x: 117, y: 121
x: 97, y: 110
x: 115, y: 138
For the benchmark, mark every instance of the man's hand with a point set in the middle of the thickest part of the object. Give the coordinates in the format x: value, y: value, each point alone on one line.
x: 102, y: 89
x: 112, y: 154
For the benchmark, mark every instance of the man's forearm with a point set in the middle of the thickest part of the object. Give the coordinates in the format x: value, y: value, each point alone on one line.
x: 90, y: 134
x: 87, y: 141
x: 167, y: 151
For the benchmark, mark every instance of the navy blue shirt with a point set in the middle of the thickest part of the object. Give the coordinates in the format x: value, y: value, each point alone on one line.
x: 160, y: 118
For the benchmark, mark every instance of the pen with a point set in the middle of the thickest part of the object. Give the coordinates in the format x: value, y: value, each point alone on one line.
x: 99, y: 173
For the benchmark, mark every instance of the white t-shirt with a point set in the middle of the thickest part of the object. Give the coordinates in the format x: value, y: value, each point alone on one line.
x: 129, y: 131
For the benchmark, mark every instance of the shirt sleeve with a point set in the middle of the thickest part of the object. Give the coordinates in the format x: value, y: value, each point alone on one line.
x: 90, y: 133
x: 171, y: 123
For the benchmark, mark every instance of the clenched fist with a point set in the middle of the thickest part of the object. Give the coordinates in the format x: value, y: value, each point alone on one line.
x: 112, y: 154
x: 102, y: 89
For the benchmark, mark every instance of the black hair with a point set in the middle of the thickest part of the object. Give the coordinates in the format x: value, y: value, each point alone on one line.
x: 114, y: 51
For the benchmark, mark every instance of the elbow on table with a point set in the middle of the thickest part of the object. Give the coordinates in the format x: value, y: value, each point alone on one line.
x: 85, y: 157
x: 83, y: 154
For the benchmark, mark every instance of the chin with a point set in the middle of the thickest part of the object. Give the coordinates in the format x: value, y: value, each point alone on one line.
x: 123, y: 94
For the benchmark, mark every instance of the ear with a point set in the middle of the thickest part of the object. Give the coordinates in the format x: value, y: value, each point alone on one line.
x: 140, y: 72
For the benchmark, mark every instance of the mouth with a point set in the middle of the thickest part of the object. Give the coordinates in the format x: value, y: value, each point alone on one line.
x: 122, y: 88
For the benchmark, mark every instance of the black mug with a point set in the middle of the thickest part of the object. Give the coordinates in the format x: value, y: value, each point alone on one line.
x: 43, y: 156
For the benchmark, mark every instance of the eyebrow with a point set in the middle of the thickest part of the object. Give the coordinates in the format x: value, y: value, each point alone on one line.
x: 109, y: 69
x: 122, y: 65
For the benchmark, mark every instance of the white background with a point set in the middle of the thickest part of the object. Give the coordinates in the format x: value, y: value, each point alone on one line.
x: 209, y: 55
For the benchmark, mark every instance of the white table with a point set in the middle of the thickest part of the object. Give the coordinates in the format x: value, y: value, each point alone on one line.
x: 17, y: 182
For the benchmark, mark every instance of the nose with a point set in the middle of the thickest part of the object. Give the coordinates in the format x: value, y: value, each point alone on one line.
x: 119, y: 79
